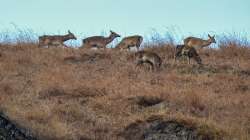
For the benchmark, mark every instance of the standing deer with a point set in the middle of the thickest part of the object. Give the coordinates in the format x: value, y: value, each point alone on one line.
x: 130, y: 41
x: 148, y: 57
x: 55, y: 40
x: 197, y: 43
x: 99, y: 41
x: 191, y: 53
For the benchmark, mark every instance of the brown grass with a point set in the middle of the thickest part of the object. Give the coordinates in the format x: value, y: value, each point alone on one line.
x: 83, y: 94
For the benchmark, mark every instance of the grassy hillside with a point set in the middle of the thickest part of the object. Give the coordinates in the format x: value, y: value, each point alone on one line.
x: 86, y: 94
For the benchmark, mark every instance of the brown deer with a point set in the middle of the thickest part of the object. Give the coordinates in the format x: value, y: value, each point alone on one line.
x: 191, y: 53
x: 197, y: 43
x: 148, y: 57
x: 55, y: 40
x: 130, y: 41
x: 99, y: 41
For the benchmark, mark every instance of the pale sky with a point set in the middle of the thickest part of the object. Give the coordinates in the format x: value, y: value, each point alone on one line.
x: 127, y: 17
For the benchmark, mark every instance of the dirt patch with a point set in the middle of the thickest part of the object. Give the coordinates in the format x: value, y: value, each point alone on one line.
x: 90, y: 58
x: 244, y: 73
x: 83, y: 92
x: 196, y: 69
x: 147, y: 101
x: 242, y: 88
x: 72, y: 59
x: 208, y: 69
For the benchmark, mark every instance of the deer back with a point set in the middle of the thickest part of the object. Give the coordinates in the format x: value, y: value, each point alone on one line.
x: 196, y: 43
x: 135, y: 40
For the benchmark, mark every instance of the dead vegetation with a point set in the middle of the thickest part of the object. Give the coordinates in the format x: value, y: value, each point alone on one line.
x: 87, y: 94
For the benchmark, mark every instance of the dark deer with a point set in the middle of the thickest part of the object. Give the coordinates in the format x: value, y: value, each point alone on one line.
x: 148, y: 57
x: 191, y: 53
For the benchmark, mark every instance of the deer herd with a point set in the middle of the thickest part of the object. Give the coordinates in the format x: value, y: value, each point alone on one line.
x: 187, y: 50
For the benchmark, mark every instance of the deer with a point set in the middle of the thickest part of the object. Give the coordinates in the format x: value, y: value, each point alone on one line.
x: 151, y: 58
x: 197, y: 43
x: 99, y: 41
x: 55, y: 40
x: 191, y: 53
x: 130, y: 41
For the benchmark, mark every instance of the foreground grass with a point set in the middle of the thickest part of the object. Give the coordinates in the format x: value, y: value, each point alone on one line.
x: 83, y: 94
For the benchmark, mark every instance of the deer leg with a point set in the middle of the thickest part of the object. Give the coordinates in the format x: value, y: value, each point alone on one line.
x: 128, y: 49
x: 176, y: 56
x: 42, y: 45
x: 139, y: 62
x: 188, y: 60
x: 65, y: 46
x: 151, y: 65
x: 39, y: 45
x: 104, y: 48
x: 184, y: 53
x: 137, y: 48
x: 151, y: 68
x: 61, y: 46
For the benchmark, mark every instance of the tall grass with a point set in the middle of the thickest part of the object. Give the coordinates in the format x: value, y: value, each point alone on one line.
x: 234, y: 39
x: 17, y: 35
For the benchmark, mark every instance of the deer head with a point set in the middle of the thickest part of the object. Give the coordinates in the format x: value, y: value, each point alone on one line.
x: 211, y: 39
x: 114, y: 34
x: 71, y: 35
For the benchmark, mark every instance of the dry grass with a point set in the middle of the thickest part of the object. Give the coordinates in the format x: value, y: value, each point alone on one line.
x: 83, y: 94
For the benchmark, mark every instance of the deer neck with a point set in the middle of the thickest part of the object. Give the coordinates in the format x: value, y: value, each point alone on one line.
x: 206, y: 43
x: 66, y: 37
x: 110, y: 39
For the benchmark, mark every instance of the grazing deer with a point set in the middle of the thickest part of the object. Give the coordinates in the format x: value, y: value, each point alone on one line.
x: 148, y: 57
x: 55, y: 40
x: 191, y: 53
x: 99, y: 41
x: 130, y: 41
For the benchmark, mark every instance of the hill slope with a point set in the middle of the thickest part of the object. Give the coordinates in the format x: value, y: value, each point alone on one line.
x: 82, y: 94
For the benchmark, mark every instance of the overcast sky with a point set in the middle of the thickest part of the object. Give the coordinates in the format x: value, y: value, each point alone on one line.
x: 91, y: 17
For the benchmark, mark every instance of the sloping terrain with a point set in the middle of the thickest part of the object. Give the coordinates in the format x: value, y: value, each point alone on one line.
x: 76, y: 94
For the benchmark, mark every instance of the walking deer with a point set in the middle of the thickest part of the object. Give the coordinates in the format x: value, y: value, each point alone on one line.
x: 55, y: 40
x: 197, y: 43
x: 99, y: 41
x: 130, y: 41
x: 191, y: 53
x: 148, y: 57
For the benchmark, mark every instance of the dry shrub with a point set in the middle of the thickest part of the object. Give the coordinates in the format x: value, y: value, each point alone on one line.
x: 147, y: 101
x: 195, y: 103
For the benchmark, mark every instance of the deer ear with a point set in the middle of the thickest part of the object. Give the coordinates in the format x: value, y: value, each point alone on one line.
x: 209, y: 35
x: 69, y: 31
